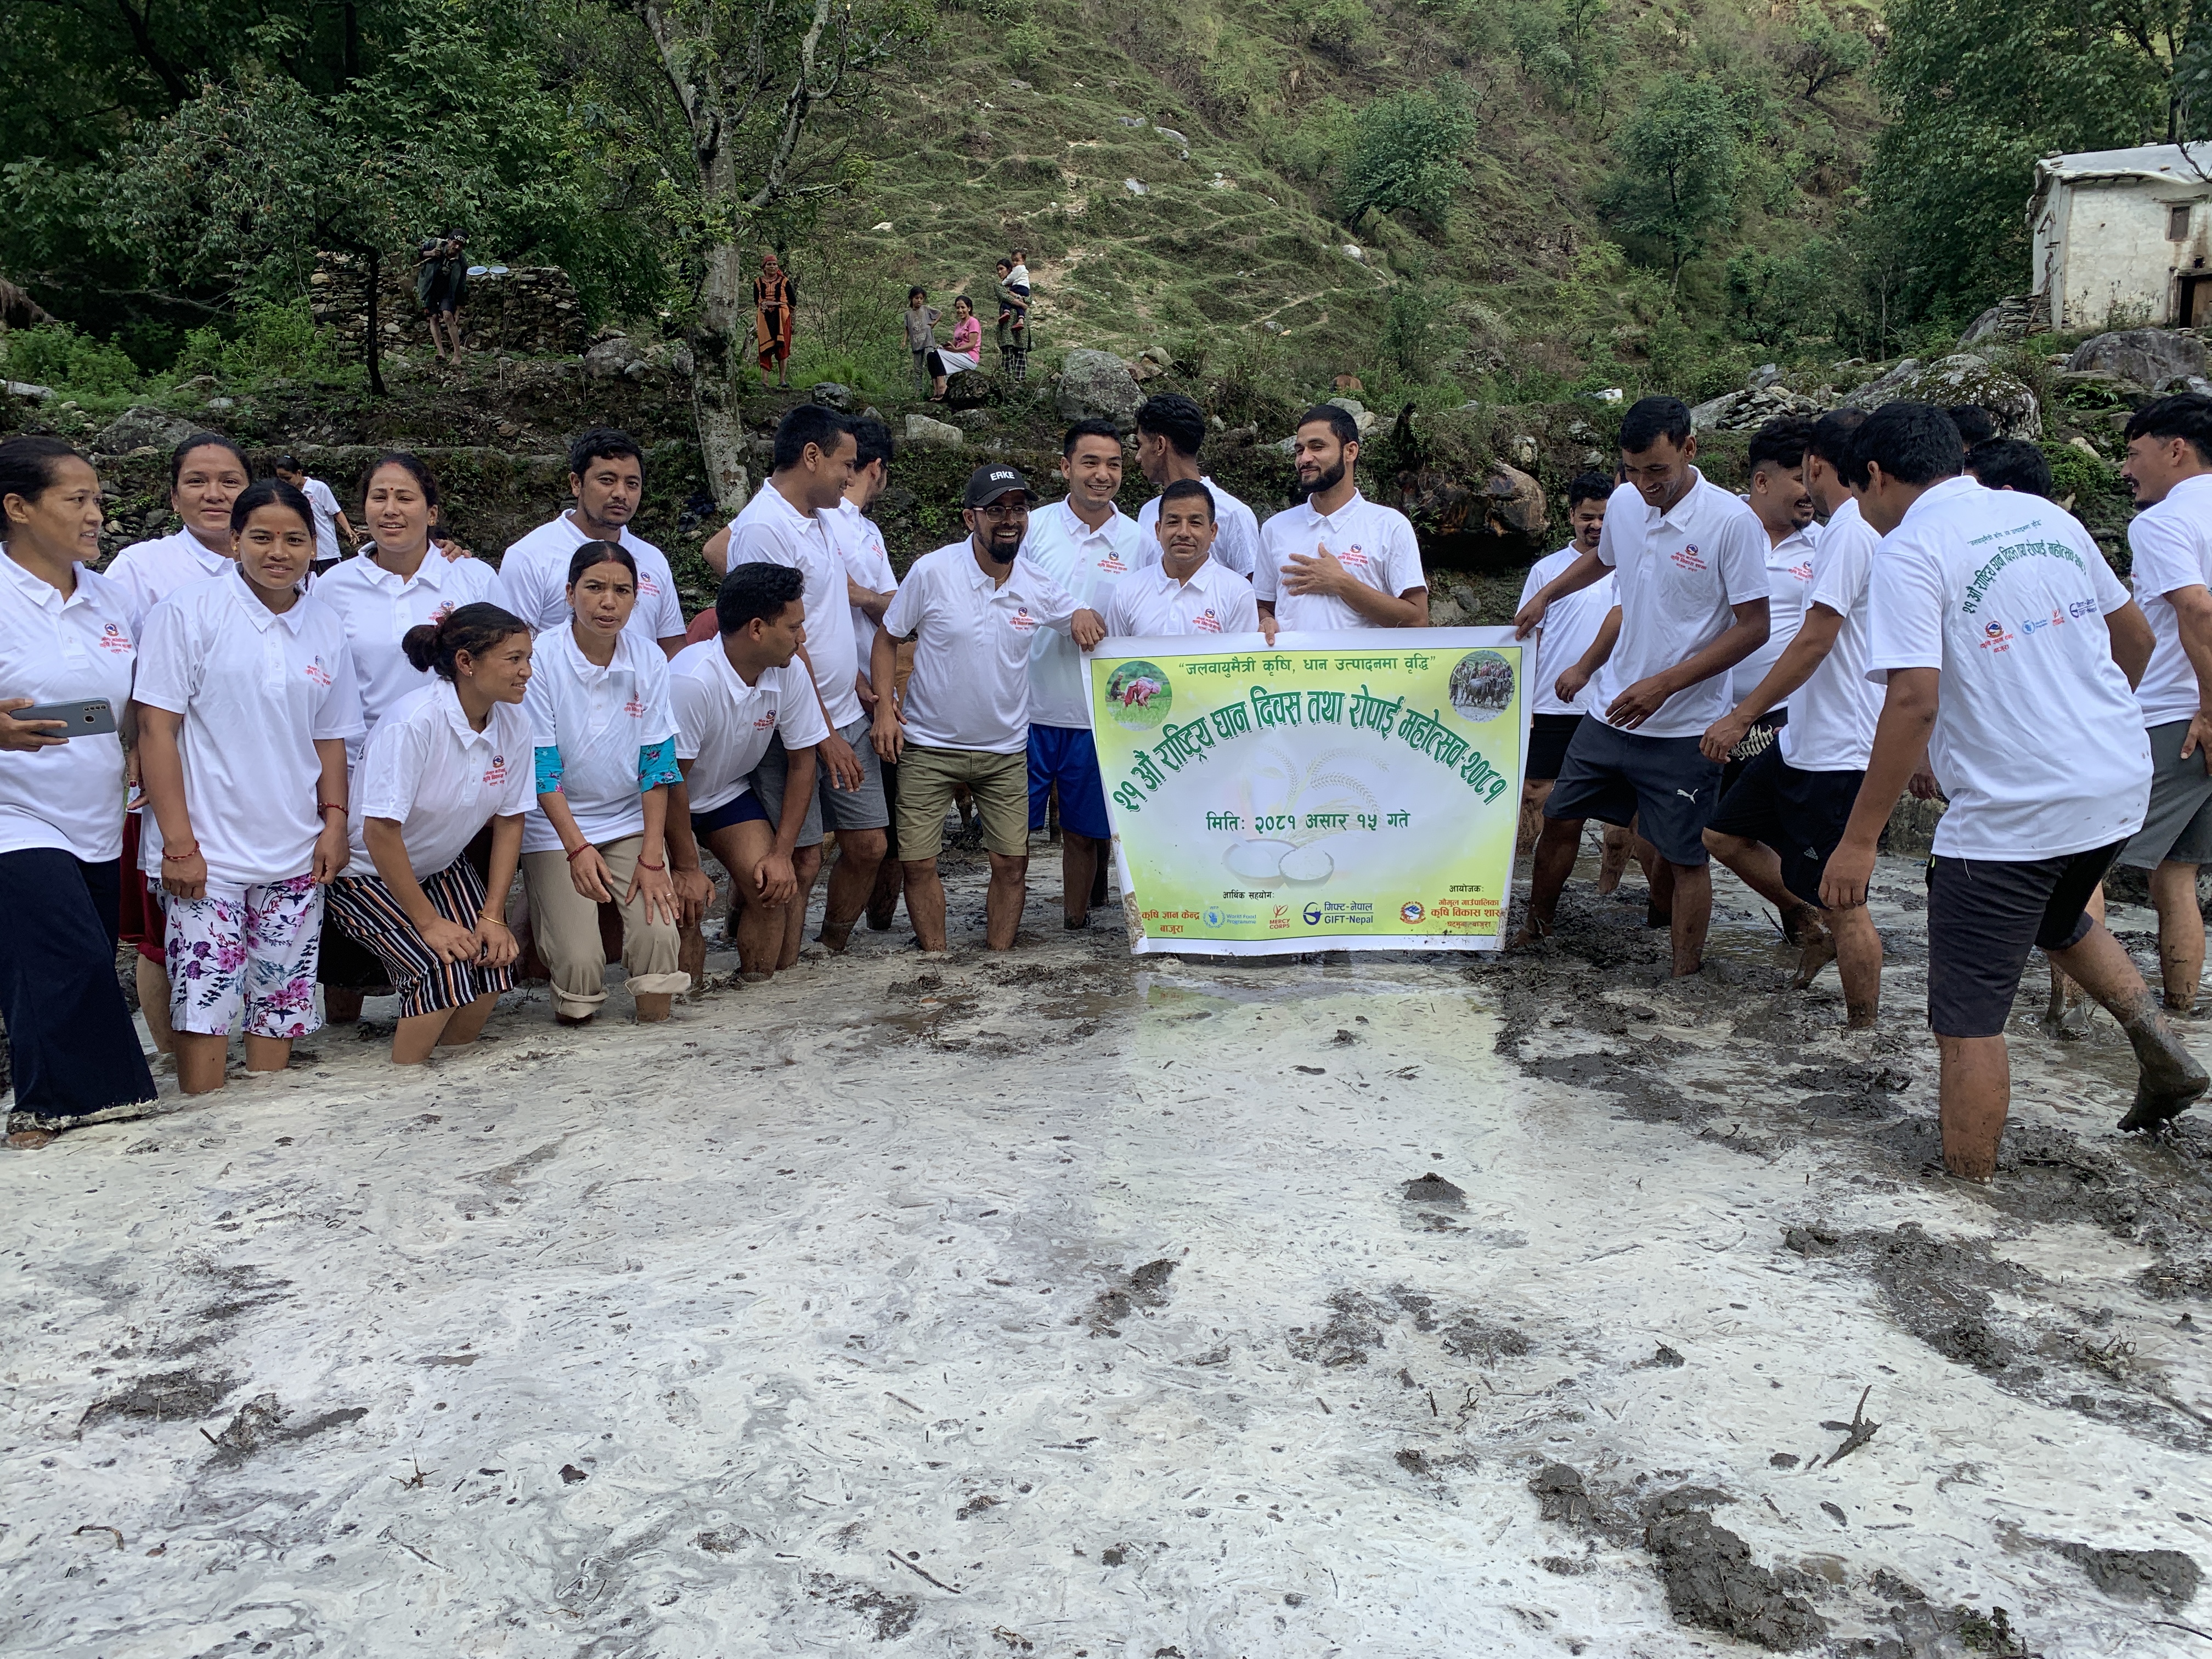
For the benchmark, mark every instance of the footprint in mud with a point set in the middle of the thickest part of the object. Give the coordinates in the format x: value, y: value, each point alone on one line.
x: 1141, y: 1287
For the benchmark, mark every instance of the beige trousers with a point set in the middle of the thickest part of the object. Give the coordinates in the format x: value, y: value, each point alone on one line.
x: 566, y: 927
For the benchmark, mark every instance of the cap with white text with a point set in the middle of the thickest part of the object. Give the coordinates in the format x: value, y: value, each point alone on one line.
x: 986, y: 483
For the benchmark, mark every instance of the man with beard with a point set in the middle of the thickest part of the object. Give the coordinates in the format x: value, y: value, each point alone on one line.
x: 1338, y: 561
x: 972, y: 609
x: 1689, y: 559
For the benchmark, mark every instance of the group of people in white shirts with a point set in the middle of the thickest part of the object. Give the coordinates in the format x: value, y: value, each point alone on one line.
x: 289, y: 780
x: 1751, y: 689
x: 358, y: 766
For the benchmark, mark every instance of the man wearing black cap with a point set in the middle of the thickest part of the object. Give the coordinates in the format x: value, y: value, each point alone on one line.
x: 973, y: 610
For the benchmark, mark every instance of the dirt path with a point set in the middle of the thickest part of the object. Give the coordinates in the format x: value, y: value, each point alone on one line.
x: 1056, y: 1304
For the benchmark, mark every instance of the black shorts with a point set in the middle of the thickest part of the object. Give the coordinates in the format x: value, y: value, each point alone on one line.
x: 740, y: 809
x: 1983, y: 917
x: 1665, y: 783
x: 1548, y: 738
x: 1764, y: 734
x: 1801, y: 815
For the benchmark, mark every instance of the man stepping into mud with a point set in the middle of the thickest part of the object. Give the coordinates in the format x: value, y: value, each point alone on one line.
x: 1690, y: 560
x: 2009, y: 651
x: 1777, y: 827
x: 1569, y: 629
x: 2169, y: 467
x: 972, y: 609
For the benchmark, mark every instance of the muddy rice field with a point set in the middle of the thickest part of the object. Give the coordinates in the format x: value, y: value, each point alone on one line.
x: 1064, y: 1303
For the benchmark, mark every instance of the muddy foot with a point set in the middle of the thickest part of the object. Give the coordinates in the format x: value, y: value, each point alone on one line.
x: 1658, y: 919
x: 2171, y: 1080
x: 834, y: 940
x: 2067, y: 1016
x: 1532, y: 933
x: 29, y: 1141
x: 1818, y: 949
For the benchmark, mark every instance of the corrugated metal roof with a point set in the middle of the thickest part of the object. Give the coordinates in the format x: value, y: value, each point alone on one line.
x: 2158, y: 163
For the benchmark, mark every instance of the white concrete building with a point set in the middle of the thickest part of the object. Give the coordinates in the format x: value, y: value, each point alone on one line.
x: 2124, y: 237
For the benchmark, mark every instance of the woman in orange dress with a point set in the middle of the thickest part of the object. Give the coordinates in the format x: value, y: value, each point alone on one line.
x: 774, y: 298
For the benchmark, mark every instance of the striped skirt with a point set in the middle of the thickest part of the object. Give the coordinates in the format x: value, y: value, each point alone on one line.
x: 365, y: 909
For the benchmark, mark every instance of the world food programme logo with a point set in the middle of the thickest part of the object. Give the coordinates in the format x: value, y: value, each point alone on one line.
x: 1411, y: 911
x: 1214, y: 915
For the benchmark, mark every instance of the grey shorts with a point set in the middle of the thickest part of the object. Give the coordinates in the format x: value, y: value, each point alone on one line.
x: 1665, y: 784
x: 864, y: 808
x: 2178, y: 825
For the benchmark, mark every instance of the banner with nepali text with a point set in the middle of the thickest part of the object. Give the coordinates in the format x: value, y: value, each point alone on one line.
x: 1344, y: 790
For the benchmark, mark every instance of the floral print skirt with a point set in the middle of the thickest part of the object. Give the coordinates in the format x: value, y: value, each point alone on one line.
x: 249, y: 949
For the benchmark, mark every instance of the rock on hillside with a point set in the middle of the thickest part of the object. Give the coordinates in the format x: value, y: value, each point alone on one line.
x: 1962, y: 378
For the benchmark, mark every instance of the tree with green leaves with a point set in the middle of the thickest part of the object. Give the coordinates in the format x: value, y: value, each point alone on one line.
x: 1680, y: 168
x: 1977, y: 90
x: 1407, y: 151
x: 752, y: 78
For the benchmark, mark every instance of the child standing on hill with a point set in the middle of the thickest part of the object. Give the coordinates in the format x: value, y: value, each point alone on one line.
x: 920, y: 335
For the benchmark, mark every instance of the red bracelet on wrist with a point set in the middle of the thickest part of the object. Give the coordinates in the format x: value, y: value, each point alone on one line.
x: 642, y: 865
x: 331, y: 806
x: 579, y: 852
x: 178, y: 858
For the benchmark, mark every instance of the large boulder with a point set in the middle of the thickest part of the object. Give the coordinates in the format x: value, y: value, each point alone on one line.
x: 971, y: 388
x: 2013, y: 317
x: 1517, y: 502
x: 610, y: 358
x: 1749, y: 409
x: 143, y: 427
x: 1962, y: 378
x: 932, y: 434
x: 2142, y: 356
x: 1097, y: 385
x: 831, y: 394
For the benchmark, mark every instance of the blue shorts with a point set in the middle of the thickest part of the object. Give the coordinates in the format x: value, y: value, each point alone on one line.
x: 1067, y: 755
x: 745, y: 809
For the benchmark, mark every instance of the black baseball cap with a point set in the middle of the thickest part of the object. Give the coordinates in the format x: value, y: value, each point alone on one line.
x: 986, y: 483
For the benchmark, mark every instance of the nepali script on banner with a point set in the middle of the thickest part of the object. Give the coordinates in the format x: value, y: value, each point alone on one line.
x: 1341, y: 791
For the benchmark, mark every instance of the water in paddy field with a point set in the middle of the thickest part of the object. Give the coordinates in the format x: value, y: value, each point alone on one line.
x: 1057, y: 1304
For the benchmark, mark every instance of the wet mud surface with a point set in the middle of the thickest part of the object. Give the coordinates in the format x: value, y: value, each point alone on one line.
x: 1059, y: 1304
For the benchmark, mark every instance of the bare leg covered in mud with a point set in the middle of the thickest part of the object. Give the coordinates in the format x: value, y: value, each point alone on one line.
x: 1612, y: 864
x: 1681, y: 893
x: 1977, y: 1079
x: 1846, y: 937
x: 2180, y: 933
x: 1002, y: 906
x: 2067, y: 1016
x: 852, y: 884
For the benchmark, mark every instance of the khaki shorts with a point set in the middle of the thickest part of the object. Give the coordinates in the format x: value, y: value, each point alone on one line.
x: 1000, y: 784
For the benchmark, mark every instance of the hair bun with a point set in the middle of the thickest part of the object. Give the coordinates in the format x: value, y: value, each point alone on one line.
x: 420, y: 642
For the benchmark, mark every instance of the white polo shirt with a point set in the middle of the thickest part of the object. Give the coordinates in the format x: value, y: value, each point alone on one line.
x: 2171, y: 544
x: 533, y: 580
x: 441, y: 779
x: 1680, y: 572
x: 64, y: 650
x: 771, y: 530
x: 723, y: 726
x: 1789, y: 564
x: 1570, y: 626
x: 1088, y: 565
x: 326, y: 512
x: 1376, y: 543
x: 1236, y: 531
x: 599, y: 719
x: 148, y: 572
x: 1153, y: 605
x: 1832, y: 715
x: 855, y: 537
x: 378, y: 607
x: 2038, y: 741
x: 970, y: 686
x: 257, y: 690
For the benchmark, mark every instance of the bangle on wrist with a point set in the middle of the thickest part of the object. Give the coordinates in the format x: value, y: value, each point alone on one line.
x: 178, y: 858
x: 331, y: 806
x: 642, y: 865
x: 579, y: 851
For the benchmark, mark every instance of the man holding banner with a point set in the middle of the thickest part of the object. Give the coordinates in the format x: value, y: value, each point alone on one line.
x: 1188, y: 590
x: 1691, y: 564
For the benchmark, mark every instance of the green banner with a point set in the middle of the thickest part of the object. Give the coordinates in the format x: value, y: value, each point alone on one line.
x: 1341, y: 791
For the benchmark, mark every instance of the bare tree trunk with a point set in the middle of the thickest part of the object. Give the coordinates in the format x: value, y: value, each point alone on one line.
x: 718, y: 368
x: 372, y: 342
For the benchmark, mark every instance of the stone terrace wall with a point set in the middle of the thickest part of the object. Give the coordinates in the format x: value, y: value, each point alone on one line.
x: 531, y: 310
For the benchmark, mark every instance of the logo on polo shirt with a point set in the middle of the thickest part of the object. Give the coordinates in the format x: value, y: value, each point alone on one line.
x: 647, y: 587
x: 1206, y: 623
x: 317, y: 673
x: 1112, y: 565
x: 1803, y: 572
x: 1022, y: 619
x: 1993, y: 637
x: 1353, y: 555
x: 112, y: 638
x: 634, y: 709
x: 496, y: 775
x: 441, y: 613
x: 762, y: 722
x: 1688, y: 558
